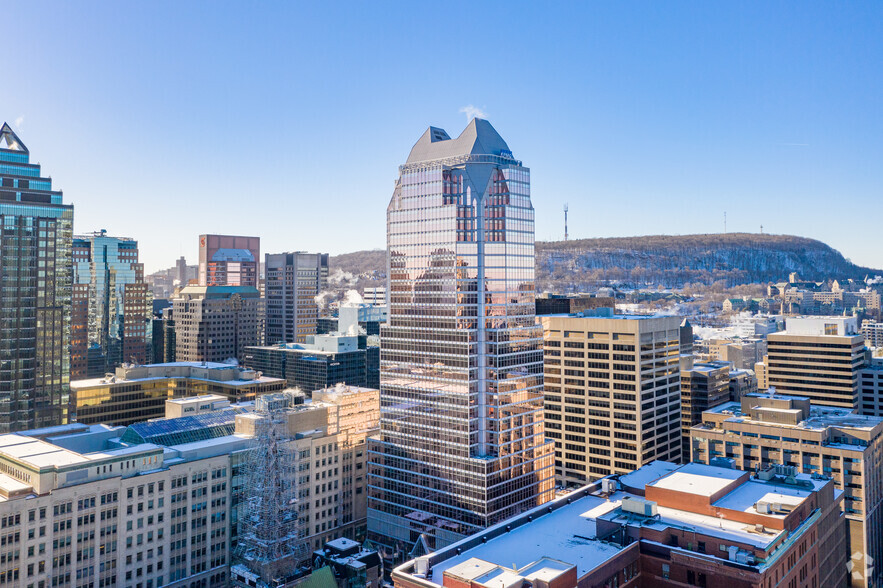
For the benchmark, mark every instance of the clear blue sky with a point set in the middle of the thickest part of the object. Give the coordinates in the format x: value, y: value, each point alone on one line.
x: 164, y: 120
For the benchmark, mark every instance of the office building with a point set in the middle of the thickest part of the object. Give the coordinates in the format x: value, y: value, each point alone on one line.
x: 873, y: 332
x: 217, y: 323
x: 35, y: 286
x: 310, y: 506
x: 742, y: 382
x: 320, y: 362
x: 326, y: 325
x: 704, y: 385
x: 136, y: 393
x: 462, y: 444
x: 118, y: 323
x: 817, y: 357
x: 661, y: 526
x: 293, y: 281
x: 742, y: 353
x: 376, y: 296
x: 228, y: 260
x: 871, y: 388
x: 612, y: 390
x: 686, y: 337
x: 764, y: 431
x: 83, y: 507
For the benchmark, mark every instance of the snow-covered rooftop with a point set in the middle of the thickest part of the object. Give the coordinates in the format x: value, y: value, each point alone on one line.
x: 699, y: 479
x: 562, y: 535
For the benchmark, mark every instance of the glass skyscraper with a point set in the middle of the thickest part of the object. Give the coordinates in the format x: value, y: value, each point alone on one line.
x: 35, y: 292
x: 109, y: 285
x: 462, y: 442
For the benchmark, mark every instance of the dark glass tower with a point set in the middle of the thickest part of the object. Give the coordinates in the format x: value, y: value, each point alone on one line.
x: 462, y: 442
x: 35, y: 292
x: 117, y: 327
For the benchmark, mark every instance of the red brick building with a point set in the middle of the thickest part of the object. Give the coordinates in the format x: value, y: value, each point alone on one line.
x: 663, y: 525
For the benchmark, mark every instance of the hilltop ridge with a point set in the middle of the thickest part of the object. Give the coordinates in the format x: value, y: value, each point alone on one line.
x: 671, y: 261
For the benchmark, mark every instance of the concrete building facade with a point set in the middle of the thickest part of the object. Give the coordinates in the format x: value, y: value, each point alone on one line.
x: 612, y: 393
x: 819, y: 358
x: 217, y: 323
x: 293, y: 281
x: 764, y: 431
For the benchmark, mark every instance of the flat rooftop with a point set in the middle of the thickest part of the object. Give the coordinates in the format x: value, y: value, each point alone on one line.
x: 564, y: 534
x: 699, y: 479
x: 821, y: 417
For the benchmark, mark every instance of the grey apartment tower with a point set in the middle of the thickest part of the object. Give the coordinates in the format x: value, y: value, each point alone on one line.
x: 35, y: 292
x: 462, y: 443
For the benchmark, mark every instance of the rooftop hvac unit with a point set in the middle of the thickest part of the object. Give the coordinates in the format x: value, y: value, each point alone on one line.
x: 639, y: 506
x: 608, y: 485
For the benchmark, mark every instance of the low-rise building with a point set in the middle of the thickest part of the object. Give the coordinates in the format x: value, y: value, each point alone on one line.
x: 138, y: 393
x: 764, y: 431
x: 663, y: 525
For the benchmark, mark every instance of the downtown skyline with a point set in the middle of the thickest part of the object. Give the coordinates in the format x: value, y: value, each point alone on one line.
x: 766, y: 113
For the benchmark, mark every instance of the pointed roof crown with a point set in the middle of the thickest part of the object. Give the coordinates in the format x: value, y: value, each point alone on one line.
x: 479, y: 137
x: 9, y: 140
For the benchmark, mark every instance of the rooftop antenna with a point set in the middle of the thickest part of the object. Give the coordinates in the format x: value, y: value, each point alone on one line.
x: 565, y: 222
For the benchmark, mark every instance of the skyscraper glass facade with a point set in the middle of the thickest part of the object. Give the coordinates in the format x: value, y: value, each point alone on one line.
x: 462, y: 442
x: 35, y: 292
x: 119, y: 307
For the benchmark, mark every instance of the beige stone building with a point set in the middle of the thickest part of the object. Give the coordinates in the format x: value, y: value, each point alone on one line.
x: 763, y: 431
x: 216, y: 323
x: 79, y: 509
x: 612, y: 393
x: 151, y: 504
x: 816, y: 357
x: 742, y: 353
x: 329, y: 434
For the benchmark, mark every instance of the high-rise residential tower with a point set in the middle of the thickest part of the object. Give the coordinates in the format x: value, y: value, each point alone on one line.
x: 229, y: 260
x: 35, y: 292
x: 109, y: 282
x: 462, y: 443
x: 293, y: 280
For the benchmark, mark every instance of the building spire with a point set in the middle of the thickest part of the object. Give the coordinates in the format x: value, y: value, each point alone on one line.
x: 9, y: 140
